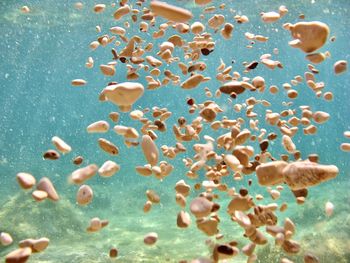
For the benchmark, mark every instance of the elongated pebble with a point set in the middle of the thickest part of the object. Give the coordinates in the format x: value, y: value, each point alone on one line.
x: 150, y: 238
x: 98, y: 127
x: 347, y: 134
x: 108, y: 146
x: 61, y: 145
x: 271, y: 173
x: 144, y: 170
x: 345, y: 147
x: 113, y: 252
x: 79, y: 82
x: 84, y: 195
x: 25, y: 180
x: 170, y: 12
x: 183, y: 219
x: 152, y: 196
x: 329, y: 208
x: 51, y: 155
x: 150, y: 150
x: 108, y: 169
x: 46, y: 185
x: 80, y: 175
x: 300, y: 175
x: 19, y: 255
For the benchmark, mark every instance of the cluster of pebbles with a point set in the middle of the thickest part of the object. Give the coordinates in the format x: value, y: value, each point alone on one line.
x: 231, y: 153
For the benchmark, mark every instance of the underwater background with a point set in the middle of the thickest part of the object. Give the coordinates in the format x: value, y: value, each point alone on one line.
x: 42, y: 51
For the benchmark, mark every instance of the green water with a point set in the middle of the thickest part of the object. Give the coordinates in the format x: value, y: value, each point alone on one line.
x: 41, y: 52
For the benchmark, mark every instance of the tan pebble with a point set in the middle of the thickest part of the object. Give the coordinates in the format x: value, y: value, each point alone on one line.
x: 107, y: 70
x: 25, y: 9
x: 286, y: 260
x: 197, y: 28
x: 310, y: 258
x: 192, y: 81
x: 208, y: 225
x: 202, y: 2
x: 328, y: 96
x: 108, y: 146
x: 147, y: 206
x: 37, y: 245
x: 79, y: 5
x: 99, y: 8
x: 201, y: 207
x: 320, y: 116
x: 271, y: 173
x: 240, y: 203
x: 242, y: 219
x: 61, y: 145
x: 283, y: 207
x: 291, y: 246
x: 98, y: 127
x: 270, y: 17
x: 182, y: 188
x: 121, y: 11
x: 95, y: 225
x: 113, y: 252
x: 124, y: 94
x: 308, y: 36
x: 299, y: 175
x: 170, y: 12
x: 46, y: 185
x: 347, y: 134
x: 108, y: 169
x: 19, y: 255
x: 329, y: 208
x: 248, y: 249
x: 275, y: 194
x: 150, y: 150
x: 5, y: 239
x: 84, y: 195
x: 288, y: 144
x: 180, y: 200
x: 144, y: 170
x: 183, y: 219
x: 78, y: 82
x: 94, y: 45
x: 153, y: 196
x: 114, y: 116
x: 292, y: 94
x: 136, y: 115
x: 39, y: 195
x: 340, y: 67
x: 150, y: 238
x: 25, y: 180
x: 80, y: 175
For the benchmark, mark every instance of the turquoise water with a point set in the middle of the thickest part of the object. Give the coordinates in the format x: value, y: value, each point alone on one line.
x: 41, y: 52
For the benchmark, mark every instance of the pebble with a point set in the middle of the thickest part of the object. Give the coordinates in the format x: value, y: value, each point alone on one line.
x: 5, y: 239
x: 113, y: 252
x: 124, y: 94
x: 329, y: 208
x: 51, y: 155
x: 108, y: 169
x: 108, y: 146
x: 150, y: 150
x: 183, y: 219
x: 340, y: 67
x: 25, y: 9
x: 36, y: 245
x: 98, y: 127
x: 84, y: 195
x: 170, y: 12
x: 80, y: 175
x: 61, y: 145
x: 345, y: 147
x: 309, y: 36
x: 19, y: 255
x: 300, y: 175
x: 78, y: 160
x: 271, y: 173
x: 46, y: 185
x: 79, y: 82
x: 150, y: 238
x: 201, y: 207
x: 39, y: 195
x: 25, y: 180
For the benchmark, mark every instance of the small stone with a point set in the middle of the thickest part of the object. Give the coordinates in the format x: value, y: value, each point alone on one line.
x: 25, y: 180
x: 5, y: 239
x: 46, y: 185
x: 150, y: 238
x: 39, y: 195
x: 340, y: 67
x: 84, y: 195
x: 51, y: 155
x: 183, y: 219
x: 78, y: 160
x: 19, y: 255
x: 113, y: 252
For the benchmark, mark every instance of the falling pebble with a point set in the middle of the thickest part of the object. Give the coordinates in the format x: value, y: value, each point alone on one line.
x: 329, y: 207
